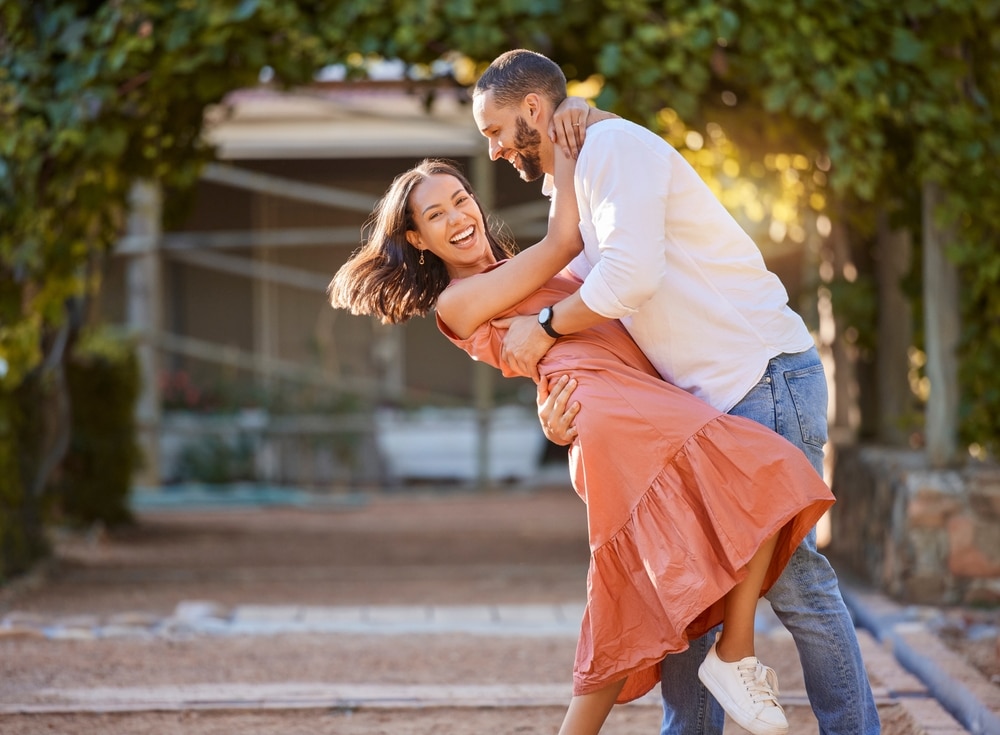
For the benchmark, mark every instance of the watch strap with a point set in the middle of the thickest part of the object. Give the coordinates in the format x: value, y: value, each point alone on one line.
x: 547, y: 323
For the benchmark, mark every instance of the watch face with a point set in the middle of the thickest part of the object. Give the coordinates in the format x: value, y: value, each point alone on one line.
x: 545, y: 315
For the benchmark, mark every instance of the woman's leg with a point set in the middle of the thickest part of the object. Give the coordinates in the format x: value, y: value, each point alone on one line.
x: 744, y: 687
x: 687, y: 709
x: 586, y: 713
x: 736, y: 641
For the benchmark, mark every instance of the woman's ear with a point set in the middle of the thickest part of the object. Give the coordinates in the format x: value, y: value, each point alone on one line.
x: 413, y: 238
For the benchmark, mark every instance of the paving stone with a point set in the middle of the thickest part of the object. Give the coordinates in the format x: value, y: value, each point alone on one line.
x: 77, y: 621
x: 141, y: 619
x: 23, y: 625
x: 398, y: 614
x: 294, y: 695
x: 16, y: 618
x: 125, y: 631
x: 332, y: 617
x: 462, y: 616
x: 190, y: 610
x: 14, y: 631
x: 529, y: 614
x: 71, y: 634
x: 275, y: 614
x: 572, y: 612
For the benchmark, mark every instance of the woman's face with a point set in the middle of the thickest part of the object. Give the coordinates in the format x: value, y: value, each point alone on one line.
x: 450, y: 225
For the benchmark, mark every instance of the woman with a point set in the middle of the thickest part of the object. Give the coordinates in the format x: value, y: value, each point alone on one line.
x: 683, y: 532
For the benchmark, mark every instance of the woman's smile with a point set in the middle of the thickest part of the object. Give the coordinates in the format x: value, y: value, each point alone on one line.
x: 465, y: 237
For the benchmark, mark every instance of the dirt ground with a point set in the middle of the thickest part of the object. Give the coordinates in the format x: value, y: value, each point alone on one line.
x: 972, y: 633
x: 414, y: 546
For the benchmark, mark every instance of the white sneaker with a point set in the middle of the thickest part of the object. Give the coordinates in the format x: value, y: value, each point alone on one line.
x: 747, y: 691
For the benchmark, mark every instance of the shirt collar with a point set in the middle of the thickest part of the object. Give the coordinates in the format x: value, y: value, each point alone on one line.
x: 548, y: 185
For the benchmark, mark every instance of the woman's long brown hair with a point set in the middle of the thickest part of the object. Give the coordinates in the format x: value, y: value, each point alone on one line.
x: 383, y: 277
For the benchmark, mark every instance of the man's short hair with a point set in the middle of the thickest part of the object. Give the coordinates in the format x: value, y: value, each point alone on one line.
x: 517, y: 73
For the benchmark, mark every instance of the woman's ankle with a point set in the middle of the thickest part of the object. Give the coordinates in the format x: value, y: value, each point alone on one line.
x: 731, y: 650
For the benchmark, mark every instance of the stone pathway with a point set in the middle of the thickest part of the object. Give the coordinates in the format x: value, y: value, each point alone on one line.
x: 194, y: 618
x: 305, y: 655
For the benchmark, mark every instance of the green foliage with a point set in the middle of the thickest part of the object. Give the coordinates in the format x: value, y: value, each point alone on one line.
x: 216, y: 461
x: 95, y: 477
x: 22, y: 539
x: 95, y: 95
x: 893, y: 94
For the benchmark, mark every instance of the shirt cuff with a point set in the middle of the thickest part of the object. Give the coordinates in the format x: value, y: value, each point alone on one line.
x: 601, y: 299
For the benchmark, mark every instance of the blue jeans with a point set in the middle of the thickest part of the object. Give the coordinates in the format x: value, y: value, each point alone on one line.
x: 791, y: 398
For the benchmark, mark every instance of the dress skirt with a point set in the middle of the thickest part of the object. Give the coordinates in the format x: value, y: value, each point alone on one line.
x: 679, y: 498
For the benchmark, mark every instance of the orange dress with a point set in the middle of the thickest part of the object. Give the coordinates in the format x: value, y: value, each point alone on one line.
x: 679, y: 498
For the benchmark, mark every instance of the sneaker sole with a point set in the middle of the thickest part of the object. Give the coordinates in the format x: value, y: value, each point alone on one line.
x: 719, y: 692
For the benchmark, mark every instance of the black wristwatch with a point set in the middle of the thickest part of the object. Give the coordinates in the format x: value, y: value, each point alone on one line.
x: 545, y: 319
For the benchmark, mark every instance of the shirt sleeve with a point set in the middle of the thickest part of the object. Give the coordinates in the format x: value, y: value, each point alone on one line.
x: 623, y: 183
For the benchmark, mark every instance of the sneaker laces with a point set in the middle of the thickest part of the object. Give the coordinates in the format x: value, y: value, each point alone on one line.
x: 760, y: 681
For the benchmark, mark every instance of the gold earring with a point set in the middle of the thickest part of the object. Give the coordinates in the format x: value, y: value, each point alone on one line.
x: 421, y: 261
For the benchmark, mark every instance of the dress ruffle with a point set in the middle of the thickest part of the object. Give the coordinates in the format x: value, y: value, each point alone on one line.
x: 658, y: 568
x: 679, y: 497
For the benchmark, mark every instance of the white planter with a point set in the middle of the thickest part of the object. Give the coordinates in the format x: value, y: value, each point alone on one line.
x: 436, y: 443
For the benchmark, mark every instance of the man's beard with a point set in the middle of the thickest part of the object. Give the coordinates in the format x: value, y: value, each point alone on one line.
x: 528, y: 143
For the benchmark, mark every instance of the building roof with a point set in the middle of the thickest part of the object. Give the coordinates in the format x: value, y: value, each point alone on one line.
x: 346, y: 120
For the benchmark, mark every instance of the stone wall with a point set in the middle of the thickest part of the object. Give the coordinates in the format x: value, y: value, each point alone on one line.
x: 920, y: 534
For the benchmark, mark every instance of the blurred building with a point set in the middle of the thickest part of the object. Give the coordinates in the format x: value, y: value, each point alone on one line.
x: 242, y: 319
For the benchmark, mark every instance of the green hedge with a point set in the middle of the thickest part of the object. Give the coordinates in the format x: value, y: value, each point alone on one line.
x: 94, y: 480
x: 22, y: 535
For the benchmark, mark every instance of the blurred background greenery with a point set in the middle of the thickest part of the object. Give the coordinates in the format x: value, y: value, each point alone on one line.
x: 866, y: 130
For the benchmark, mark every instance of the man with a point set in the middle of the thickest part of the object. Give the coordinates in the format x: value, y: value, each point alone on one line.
x: 662, y: 255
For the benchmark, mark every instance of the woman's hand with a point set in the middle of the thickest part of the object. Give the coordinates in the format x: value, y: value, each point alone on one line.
x: 569, y: 122
x: 557, y: 419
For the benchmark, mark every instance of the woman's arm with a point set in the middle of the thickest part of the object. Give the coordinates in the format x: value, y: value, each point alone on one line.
x: 467, y: 303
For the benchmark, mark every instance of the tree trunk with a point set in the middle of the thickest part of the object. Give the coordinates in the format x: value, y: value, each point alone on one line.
x: 845, y: 415
x: 144, y: 315
x: 895, y: 334
x: 941, y: 325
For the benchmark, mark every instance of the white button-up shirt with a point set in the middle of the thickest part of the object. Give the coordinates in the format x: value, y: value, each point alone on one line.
x: 664, y: 256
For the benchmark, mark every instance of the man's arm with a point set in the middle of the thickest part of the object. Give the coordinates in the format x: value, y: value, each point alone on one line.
x: 527, y: 342
x: 623, y: 186
x: 626, y: 188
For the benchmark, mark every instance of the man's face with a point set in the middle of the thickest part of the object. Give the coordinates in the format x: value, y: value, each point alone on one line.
x: 511, y: 135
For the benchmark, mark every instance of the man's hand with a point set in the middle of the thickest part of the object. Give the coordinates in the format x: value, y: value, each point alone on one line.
x: 525, y: 344
x: 557, y: 420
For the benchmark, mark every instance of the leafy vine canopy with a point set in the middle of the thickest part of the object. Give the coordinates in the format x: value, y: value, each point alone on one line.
x: 792, y: 100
